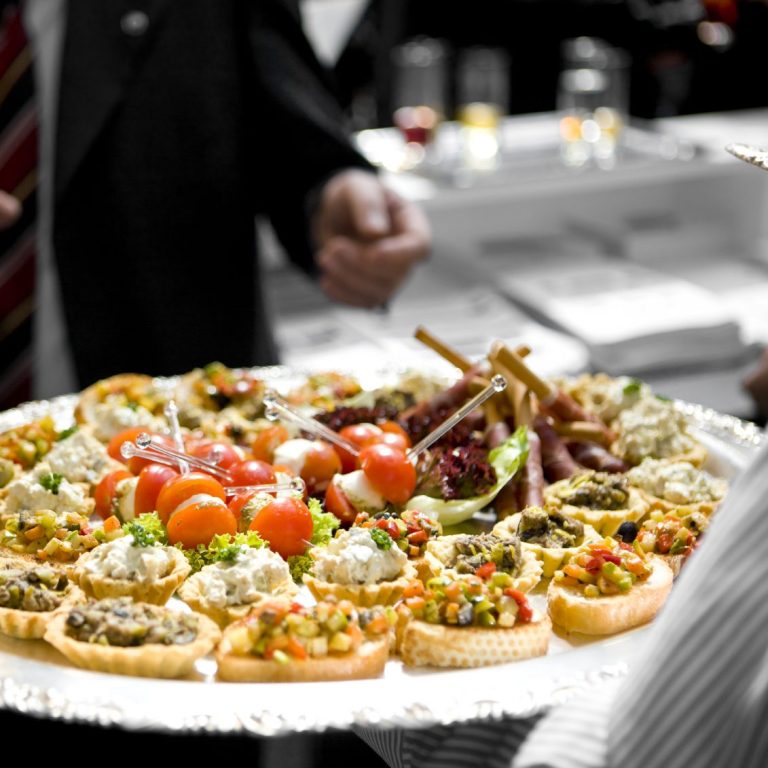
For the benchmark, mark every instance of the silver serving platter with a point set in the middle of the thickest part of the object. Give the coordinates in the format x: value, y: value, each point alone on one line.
x: 35, y: 679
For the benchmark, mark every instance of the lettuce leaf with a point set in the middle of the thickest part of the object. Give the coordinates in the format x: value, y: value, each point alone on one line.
x: 324, y: 524
x: 506, y: 459
x: 222, y: 547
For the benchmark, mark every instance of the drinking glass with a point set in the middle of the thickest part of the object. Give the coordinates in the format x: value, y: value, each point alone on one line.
x: 592, y: 99
x: 482, y: 97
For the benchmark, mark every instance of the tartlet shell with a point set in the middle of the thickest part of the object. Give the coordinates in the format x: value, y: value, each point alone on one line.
x: 152, y: 660
x: 31, y: 625
x: 364, y: 595
x: 605, y: 521
x: 155, y: 592
x: 191, y: 594
x: 551, y: 558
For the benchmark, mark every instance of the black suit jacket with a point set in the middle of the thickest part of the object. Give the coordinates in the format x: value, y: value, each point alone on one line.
x: 171, y: 135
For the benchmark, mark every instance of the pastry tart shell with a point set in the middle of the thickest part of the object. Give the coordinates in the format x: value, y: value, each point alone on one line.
x: 151, y: 660
x: 192, y: 595
x: 156, y: 592
x: 31, y: 625
x: 364, y: 595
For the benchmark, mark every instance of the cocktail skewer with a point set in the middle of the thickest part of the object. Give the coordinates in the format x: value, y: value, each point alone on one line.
x: 276, y: 408
x: 294, y: 484
x: 144, y: 442
x: 497, y: 384
x: 171, y: 411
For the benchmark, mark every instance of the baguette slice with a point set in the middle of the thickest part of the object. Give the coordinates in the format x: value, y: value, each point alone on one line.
x: 610, y: 613
x: 436, y: 645
x: 367, y: 661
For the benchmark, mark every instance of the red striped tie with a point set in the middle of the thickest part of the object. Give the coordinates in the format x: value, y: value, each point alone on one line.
x: 18, y: 163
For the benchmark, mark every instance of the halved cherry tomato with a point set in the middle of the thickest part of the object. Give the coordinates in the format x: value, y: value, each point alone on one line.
x: 265, y: 443
x: 337, y: 503
x: 389, y: 471
x: 401, y: 442
x: 238, y: 501
x: 251, y: 472
x: 151, y: 479
x: 178, y: 489
x: 217, y: 452
x: 135, y: 465
x: 286, y: 524
x: 105, y: 492
x: 393, y: 428
x: 359, y: 435
x: 321, y: 463
x: 199, y: 521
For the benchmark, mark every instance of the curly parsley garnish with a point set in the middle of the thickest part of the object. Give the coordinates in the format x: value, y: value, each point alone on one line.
x: 223, y: 548
x: 51, y: 482
x: 147, y: 530
x: 382, y: 538
x: 65, y: 433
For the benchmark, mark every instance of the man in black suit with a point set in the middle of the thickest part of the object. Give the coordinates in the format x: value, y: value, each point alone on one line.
x: 177, y: 123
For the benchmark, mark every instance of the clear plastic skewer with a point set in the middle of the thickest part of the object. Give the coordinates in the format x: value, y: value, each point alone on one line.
x: 171, y: 411
x: 144, y: 442
x: 294, y: 484
x: 275, y: 408
x: 497, y: 384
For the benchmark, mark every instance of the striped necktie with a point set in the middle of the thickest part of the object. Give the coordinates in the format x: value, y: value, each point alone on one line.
x: 18, y: 163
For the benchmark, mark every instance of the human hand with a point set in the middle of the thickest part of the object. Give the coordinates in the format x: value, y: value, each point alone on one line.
x: 10, y: 210
x: 368, y: 239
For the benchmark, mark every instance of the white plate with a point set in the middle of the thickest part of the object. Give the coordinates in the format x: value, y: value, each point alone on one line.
x: 36, y: 679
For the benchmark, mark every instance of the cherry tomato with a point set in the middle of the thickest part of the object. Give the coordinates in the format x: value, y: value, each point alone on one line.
x: 394, y: 439
x: 178, y: 489
x: 251, y: 472
x: 238, y: 501
x: 389, y: 471
x: 151, y: 479
x: 199, y: 521
x: 135, y: 465
x: 321, y: 463
x: 359, y: 435
x: 393, y: 428
x: 286, y: 524
x: 337, y: 503
x: 105, y: 492
x: 265, y: 443
x: 217, y: 452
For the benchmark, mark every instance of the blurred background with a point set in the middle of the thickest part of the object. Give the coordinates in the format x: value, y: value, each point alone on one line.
x: 570, y: 157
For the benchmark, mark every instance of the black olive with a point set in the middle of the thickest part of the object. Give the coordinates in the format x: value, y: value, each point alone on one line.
x: 627, y: 532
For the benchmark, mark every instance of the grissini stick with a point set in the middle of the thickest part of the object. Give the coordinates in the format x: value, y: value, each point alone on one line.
x: 517, y: 393
x: 582, y: 431
x: 442, y: 349
x: 560, y: 405
x: 451, y: 355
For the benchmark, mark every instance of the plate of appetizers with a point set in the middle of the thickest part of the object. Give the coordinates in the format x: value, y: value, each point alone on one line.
x: 269, y: 551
